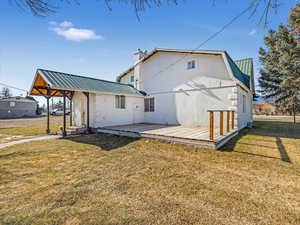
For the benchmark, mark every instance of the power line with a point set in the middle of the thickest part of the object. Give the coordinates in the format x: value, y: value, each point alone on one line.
x: 208, y: 39
x: 10, y: 86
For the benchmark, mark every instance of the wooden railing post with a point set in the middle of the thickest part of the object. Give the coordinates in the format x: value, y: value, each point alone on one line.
x: 232, y: 120
x: 221, y: 123
x: 211, y: 126
x: 228, y: 119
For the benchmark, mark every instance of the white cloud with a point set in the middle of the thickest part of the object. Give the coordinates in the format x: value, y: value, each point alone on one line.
x: 69, y: 32
x: 252, y: 32
x: 74, y: 34
x: 66, y: 24
x: 52, y: 23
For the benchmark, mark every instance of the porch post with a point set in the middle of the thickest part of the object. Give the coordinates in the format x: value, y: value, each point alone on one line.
x: 87, y: 94
x: 70, y: 97
x: 48, y: 112
x: 64, y: 133
x: 228, y: 119
x: 71, y: 111
x: 211, y: 125
x: 232, y: 118
x: 221, y: 123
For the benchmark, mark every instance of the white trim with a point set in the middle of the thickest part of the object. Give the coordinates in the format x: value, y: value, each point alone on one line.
x: 45, y: 78
x: 36, y: 74
x: 96, y: 92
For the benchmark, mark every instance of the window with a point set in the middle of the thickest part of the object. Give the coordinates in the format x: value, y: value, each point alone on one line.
x: 244, y: 103
x: 12, y: 104
x: 132, y: 79
x: 191, y: 65
x: 149, y: 104
x: 120, y: 101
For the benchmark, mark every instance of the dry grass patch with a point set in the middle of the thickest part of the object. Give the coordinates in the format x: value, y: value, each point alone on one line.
x: 29, y: 130
x: 105, y: 179
x: 23, y: 128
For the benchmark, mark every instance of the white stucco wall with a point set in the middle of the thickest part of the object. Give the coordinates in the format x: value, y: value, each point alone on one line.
x: 183, y: 96
x: 79, y: 109
x: 126, y: 79
x: 243, y: 118
x: 103, y: 111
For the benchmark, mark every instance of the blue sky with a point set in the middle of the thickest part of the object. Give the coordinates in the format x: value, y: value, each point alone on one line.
x: 97, y: 42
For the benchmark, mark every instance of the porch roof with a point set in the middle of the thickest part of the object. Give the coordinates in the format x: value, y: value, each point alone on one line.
x: 47, y: 79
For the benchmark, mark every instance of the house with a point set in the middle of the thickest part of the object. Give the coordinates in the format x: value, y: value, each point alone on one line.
x: 261, y: 107
x: 17, y: 107
x: 198, y: 81
x: 166, y: 87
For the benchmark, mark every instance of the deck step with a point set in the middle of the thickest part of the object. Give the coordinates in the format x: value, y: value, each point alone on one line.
x: 75, y: 130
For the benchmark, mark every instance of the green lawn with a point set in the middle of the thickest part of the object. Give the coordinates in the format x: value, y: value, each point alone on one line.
x: 105, y: 179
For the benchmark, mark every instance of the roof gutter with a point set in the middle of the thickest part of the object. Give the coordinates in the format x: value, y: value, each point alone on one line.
x: 96, y: 92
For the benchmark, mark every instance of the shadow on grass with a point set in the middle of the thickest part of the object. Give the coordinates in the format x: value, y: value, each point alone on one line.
x: 106, y: 142
x: 276, y: 129
x: 273, y: 129
x: 283, y: 153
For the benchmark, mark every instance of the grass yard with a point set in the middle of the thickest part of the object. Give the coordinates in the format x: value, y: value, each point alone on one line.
x: 30, y: 130
x: 109, y: 180
x: 23, y: 128
x: 19, y: 133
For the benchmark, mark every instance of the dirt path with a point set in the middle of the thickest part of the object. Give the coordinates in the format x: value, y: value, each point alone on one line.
x: 29, y: 140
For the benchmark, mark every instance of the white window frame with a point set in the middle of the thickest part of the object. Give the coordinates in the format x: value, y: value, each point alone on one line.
x: 149, y: 104
x: 120, y: 102
x: 191, y: 64
x: 12, y: 104
x: 131, y: 78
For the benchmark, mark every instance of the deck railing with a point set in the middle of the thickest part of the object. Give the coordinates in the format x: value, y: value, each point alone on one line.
x: 230, y: 113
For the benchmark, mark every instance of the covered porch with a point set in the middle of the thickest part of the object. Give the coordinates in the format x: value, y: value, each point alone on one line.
x: 44, y: 85
x: 82, y: 92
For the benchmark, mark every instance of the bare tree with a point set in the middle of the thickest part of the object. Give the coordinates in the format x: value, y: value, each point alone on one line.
x: 44, y: 7
x: 6, y: 92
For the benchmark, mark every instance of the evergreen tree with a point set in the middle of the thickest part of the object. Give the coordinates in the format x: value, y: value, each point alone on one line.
x: 294, y: 21
x: 280, y: 72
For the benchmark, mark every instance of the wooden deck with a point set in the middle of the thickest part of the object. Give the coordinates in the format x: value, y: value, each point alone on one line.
x: 196, y: 136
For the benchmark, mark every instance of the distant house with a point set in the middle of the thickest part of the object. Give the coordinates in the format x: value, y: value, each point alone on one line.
x: 263, y: 108
x: 17, y: 107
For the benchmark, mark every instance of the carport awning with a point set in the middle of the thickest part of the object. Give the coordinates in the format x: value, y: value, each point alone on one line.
x: 52, y: 83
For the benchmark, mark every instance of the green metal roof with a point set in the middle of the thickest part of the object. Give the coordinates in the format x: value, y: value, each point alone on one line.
x: 245, y: 79
x: 245, y: 65
x: 58, y: 80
